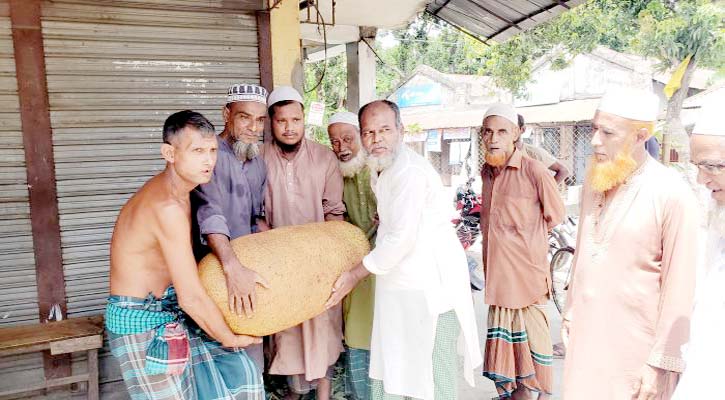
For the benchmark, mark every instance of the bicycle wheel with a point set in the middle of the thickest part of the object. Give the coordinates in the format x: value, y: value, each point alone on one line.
x: 555, y: 243
x: 561, y: 265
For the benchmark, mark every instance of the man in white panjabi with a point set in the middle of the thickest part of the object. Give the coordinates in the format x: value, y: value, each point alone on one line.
x: 705, y: 351
x: 630, y: 300
x: 423, y: 303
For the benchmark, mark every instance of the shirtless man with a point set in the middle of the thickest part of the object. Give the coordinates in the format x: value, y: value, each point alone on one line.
x: 158, y: 307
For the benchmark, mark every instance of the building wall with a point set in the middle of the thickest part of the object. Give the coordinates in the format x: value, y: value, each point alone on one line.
x: 114, y: 71
x: 286, y: 47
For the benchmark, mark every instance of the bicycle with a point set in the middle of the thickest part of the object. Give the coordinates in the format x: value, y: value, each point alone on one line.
x: 563, y: 241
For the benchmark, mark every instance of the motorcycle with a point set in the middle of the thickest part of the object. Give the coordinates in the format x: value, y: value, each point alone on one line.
x: 467, y: 226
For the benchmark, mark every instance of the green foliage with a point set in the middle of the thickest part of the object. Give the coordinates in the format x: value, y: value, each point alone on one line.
x: 413, y: 128
x: 332, y: 91
x: 665, y: 30
x: 430, y: 42
x: 671, y: 32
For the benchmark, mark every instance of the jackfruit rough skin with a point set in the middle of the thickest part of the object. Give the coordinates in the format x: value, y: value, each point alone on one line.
x: 300, y: 263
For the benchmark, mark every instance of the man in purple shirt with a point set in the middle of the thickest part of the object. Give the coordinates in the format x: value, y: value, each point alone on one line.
x: 232, y: 203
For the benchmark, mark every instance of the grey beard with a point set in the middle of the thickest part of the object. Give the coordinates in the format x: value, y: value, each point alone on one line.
x: 716, y: 219
x: 245, y: 151
x: 380, y: 163
x: 352, y: 167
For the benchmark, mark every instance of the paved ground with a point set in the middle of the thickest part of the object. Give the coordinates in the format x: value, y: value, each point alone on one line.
x: 484, y: 387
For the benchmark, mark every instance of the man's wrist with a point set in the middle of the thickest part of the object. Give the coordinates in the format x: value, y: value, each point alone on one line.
x: 228, y: 263
x: 359, y: 272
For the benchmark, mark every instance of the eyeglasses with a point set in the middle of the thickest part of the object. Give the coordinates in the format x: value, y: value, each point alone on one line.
x: 710, y: 168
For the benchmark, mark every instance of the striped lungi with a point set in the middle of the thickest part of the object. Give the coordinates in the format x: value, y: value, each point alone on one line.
x: 154, y: 364
x: 518, y: 349
x: 447, y: 367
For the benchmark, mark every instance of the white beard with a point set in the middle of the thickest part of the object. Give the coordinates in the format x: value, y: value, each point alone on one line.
x: 716, y: 220
x: 379, y: 163
x: 245, y: 151
x: 352, y: 167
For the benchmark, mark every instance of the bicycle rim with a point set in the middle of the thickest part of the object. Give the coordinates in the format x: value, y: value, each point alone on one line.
x: 561, y: 265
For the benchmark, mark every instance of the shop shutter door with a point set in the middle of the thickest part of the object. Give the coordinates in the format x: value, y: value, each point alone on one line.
x: 114, y: 75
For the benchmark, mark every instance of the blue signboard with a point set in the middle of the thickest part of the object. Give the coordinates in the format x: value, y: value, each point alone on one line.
x: 422, y: 94
x: 433, y: 142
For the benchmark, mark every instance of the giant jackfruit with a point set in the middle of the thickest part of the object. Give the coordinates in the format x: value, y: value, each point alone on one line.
x: 300, y: 263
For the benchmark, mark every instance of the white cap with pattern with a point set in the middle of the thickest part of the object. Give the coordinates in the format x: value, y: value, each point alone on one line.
x: 246, y: 92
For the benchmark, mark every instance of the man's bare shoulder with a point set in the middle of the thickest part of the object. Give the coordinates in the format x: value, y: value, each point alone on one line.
x: 154, y: 205
x: 139, y: 239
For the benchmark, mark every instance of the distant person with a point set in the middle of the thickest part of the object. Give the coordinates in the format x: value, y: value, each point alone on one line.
x: 537, y: 153
x: 520, y: 205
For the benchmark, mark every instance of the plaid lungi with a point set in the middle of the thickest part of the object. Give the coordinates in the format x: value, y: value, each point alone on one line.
x: 446, y: 364
x: 518, y: 349
x: 357, y: 373
x: 137, y: 336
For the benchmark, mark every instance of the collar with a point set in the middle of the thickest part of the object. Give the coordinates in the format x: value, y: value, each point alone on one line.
x: 281, y: 154
x: 513, y: 162
x: 515, y: 159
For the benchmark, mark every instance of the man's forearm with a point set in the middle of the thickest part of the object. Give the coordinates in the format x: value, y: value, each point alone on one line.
x: 208, y: 316
x: 560, y: 172
x: 221, y: 247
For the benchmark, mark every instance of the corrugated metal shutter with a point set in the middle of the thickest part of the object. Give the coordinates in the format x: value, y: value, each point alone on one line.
x: 18, y: 293
x: 116, y: 70
x: 114, y: 74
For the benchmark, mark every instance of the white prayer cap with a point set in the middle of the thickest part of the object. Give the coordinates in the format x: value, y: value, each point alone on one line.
x: 709, y: 123
x: 344, y: 117
x: 283, y: 93
x: 246, y: 92
x: 630, y: 103
x: 502, y: 110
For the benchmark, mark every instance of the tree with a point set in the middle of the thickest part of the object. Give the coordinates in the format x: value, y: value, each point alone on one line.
x: 325, y: 82
x: 684, y: 33
x: 665, y: 30
x: 423, y: 41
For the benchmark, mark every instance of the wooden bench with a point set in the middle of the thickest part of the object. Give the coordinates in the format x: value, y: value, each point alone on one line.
x: 62, y: 337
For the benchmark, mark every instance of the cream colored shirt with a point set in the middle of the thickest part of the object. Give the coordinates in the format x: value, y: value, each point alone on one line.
x: 632, y: 287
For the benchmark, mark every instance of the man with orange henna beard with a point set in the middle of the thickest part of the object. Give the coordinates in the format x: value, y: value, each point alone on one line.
x: 630, y: 300
x: 520, y: 204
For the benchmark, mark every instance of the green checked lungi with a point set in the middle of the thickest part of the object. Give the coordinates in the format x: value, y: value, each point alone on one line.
x: 164, y: 355
x: 357, y: 371
x: 446, y: 365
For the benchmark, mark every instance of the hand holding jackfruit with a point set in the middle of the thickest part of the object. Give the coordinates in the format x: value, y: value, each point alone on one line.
x: 301, y: 263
